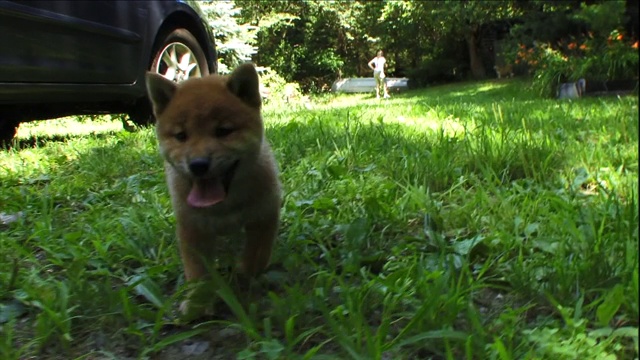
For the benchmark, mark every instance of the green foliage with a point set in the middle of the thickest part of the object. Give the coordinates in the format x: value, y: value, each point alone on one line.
x: 447, y: 62
x: 604, y: 52
x: 549, y: 67
x: 428, y: 31
x: 276, y: 89
x: 575, y: 340
x: 597, y: 63
x: 602, y: 18
x: 541, y: 22
x: 300, y: 40
x: 234, y: 42
x: 314, y: 42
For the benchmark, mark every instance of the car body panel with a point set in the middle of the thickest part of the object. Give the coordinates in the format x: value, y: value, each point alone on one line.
x: 67, y: 57
x: 71, y: 42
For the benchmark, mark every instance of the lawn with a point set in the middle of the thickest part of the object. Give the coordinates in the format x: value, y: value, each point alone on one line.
x: 466, y: 221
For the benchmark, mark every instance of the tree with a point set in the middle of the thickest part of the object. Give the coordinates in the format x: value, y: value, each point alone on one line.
x: 313, y: 40
x: 234, y: 41
x: 464, y: 19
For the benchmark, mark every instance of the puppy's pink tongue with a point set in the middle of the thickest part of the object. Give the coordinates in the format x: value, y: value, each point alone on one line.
x: 206, y: 192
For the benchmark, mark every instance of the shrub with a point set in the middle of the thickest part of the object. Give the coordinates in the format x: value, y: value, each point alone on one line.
x: 592, y: 58
x: 602, y: 53
x: 275, y: 88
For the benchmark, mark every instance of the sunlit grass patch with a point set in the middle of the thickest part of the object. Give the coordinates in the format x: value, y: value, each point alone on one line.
x: 69, y: 126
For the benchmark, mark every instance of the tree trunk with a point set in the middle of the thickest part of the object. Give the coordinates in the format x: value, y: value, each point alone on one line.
x: 477, y: 67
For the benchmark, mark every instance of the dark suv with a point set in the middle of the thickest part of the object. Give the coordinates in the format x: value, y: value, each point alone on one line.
x: 75, y: 57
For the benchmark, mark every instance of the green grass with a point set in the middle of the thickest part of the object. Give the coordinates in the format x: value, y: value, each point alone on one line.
x: 467, y: 221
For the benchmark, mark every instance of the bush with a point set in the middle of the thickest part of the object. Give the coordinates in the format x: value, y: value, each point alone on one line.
x: 602, y: 53
x: 593, y: 59
x: 275, y: 88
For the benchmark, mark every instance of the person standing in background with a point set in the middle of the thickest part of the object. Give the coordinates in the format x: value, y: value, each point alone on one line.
x: 378, y: 64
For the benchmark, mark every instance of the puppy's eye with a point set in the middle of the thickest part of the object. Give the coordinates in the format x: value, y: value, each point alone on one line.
x: 223, y: 132
x: 180, y: 136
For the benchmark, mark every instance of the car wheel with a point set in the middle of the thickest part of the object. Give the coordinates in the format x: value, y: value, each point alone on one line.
x: 178, y: 58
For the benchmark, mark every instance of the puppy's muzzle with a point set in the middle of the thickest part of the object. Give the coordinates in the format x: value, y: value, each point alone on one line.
x: 199, y: 166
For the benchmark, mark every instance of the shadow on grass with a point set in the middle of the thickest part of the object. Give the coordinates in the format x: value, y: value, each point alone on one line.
x: 44, y: 140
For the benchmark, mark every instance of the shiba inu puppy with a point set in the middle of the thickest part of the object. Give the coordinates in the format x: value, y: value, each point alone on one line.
x: 220, y: 170
x: 572, y: 90
x: 504, y: 71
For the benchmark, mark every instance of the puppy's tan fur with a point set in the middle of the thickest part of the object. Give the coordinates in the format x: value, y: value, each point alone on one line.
x: 504, y: 71
x: 220, y: 170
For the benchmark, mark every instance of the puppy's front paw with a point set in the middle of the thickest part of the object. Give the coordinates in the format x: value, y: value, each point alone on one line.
x: 252, y: 268
x: 193, y: 308
x: 185, y: 308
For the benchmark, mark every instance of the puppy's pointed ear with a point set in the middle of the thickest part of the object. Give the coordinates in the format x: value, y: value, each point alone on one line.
x: 160, y: 91
x: 245, y: 84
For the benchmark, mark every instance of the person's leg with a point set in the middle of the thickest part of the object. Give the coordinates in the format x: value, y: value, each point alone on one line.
x: 376, y: 76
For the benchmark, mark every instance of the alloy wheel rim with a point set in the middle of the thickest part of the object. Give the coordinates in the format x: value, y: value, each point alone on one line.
x: 177, y: 62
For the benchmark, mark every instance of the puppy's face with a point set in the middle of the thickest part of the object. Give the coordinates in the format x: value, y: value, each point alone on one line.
x: 206, y: 127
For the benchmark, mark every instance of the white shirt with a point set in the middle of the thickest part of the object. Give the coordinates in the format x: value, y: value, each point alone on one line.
x: 378, y: 63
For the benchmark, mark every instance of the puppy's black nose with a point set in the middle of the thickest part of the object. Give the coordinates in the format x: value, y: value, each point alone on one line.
x: 199, y: 167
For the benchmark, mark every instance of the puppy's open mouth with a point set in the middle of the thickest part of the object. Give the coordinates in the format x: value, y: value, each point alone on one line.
x: 210, y: 191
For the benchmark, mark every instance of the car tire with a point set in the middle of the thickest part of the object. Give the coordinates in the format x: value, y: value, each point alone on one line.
x: 178, y: 57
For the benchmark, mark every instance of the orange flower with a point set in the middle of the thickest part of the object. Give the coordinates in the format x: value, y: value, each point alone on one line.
x: 635, y: 45
x: 583, y: 47
x: 522, y: 46
x: 530, y: 51
x: 572, y: 46
x: 619, y: 37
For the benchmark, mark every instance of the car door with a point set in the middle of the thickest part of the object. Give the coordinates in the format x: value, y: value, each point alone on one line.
x: 46, y: 41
